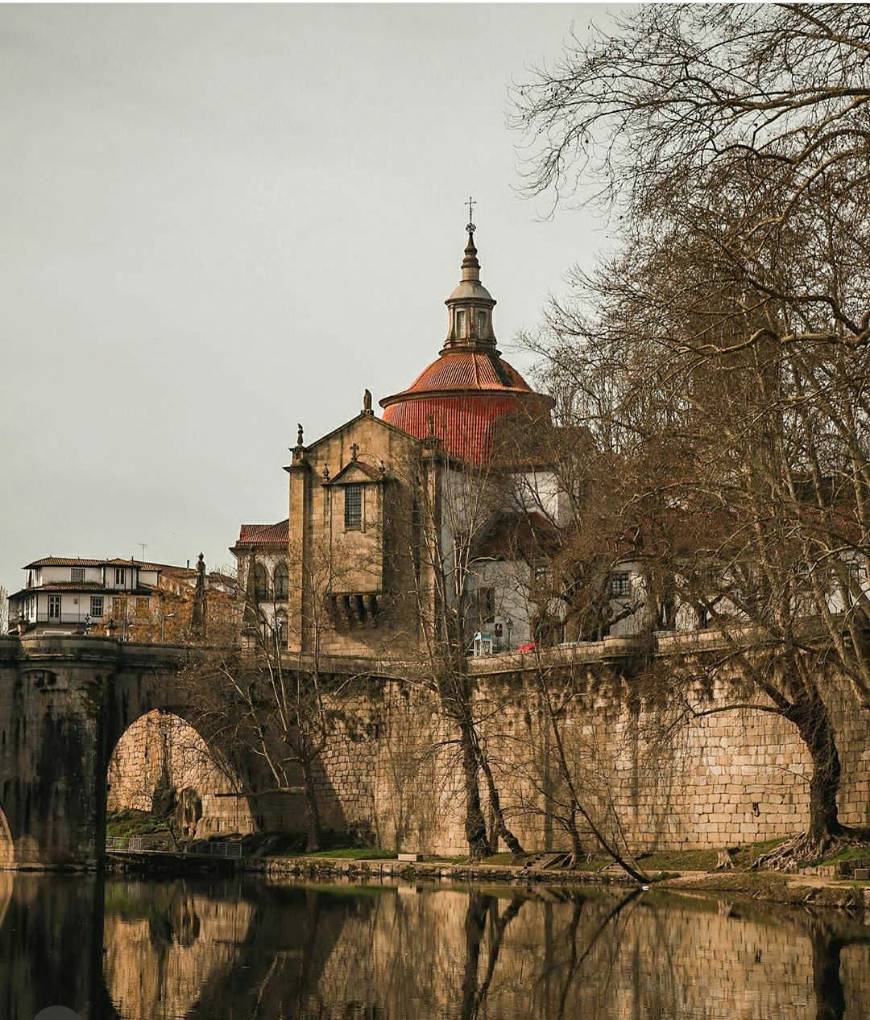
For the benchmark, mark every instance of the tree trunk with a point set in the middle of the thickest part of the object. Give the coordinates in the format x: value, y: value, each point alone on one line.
x: 814, y: 725
x: 511, y: 841
x: 312, y: 811
x: 576, y: 843
x: 475, y: 824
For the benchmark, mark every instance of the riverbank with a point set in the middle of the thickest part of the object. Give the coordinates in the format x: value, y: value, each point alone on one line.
x: 839, y: 881
x: 770, y: 887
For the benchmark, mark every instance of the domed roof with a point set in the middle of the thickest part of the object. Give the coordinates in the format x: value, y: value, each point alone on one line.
x: 470, y: 290
x: 461, y: 395
x: 466, y: 370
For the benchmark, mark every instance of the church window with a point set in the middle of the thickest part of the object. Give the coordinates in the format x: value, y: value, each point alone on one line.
x: 261, y: 582
x: 460, y: 322
x: 481, y: 324
x: 353, y: 507
x: 281, y: 581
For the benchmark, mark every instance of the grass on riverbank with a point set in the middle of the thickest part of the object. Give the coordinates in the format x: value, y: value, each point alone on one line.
x: 134, y: 823
x: 356, y: 853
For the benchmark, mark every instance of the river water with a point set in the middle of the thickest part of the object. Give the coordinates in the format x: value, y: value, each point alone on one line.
x: 235, y: 949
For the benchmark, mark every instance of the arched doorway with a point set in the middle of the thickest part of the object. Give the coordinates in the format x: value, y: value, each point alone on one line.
x: 165, y: 783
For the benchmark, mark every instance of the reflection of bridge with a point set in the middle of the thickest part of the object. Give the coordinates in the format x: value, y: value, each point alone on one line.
x: 230, y: 948
x: 134, y: 950
x: 64, y: 703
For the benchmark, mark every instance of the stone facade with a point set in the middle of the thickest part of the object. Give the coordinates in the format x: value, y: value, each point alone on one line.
x: 726, y: 779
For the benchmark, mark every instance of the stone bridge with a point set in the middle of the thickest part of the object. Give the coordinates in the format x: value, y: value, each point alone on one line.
x: 735, y: 777
x: 64, y: 704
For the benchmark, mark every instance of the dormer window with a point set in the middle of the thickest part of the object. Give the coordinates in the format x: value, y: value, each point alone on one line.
x: 460, y: 322
x: 120, y: 575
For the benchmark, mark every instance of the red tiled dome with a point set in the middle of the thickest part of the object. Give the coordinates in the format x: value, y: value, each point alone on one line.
x: 464, y: 392
x: 468, y: 370
x: 469, y: 388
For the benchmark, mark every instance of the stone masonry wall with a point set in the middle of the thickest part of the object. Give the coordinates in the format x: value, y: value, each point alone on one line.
x: 725, y: 779
x: 391, y: 771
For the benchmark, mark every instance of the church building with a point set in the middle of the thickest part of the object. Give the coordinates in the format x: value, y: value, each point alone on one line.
x: 392, y: 520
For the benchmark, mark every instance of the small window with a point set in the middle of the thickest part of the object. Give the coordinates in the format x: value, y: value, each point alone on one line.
x: 353, y: 507
x: 54, y: 607
x: 281, y: 581
x: 77, y: 574
x: 460, y: 322
x: 261, y: 582
x: 481, y: 324
x: 96, y: 605
x: 620, y: 584
x: 120, y: 575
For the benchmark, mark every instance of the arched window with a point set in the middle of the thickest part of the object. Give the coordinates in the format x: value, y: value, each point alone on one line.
x: 281, y: 581
x: 261, y: 582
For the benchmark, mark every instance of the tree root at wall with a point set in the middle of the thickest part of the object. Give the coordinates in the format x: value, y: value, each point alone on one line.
x: 804, y: 849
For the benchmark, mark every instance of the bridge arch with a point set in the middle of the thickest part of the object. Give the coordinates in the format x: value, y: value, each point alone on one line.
x: 7, y: 843
x: 161, y: 764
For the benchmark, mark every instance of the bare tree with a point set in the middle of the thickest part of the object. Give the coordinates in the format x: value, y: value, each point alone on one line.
x: 262, y: 699
x: 455, y: 503
x: 722, y: 353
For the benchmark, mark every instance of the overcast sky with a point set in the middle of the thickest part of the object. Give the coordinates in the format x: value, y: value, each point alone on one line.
x: 219, y: 221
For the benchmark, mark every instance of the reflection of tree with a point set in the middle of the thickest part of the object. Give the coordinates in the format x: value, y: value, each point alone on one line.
x: 480, y: 907
x: 828, y: 938
x: 576, y: 959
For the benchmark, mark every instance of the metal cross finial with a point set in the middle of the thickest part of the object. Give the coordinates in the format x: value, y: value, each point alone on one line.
x: 471, y: 204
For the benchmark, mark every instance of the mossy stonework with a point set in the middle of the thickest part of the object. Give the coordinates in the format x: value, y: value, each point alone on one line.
x: 390, y: 771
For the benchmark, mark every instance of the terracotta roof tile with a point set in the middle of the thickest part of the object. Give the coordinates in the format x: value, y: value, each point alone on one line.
x: 484, y: 371
x: 465, y: 393
x: 78, y: 561
x: 264, y: 534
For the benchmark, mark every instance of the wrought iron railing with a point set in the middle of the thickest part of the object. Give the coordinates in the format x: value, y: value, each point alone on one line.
x: 212, y: 848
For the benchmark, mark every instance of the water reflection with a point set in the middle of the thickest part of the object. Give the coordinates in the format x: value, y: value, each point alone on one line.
x: 232, y: 949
